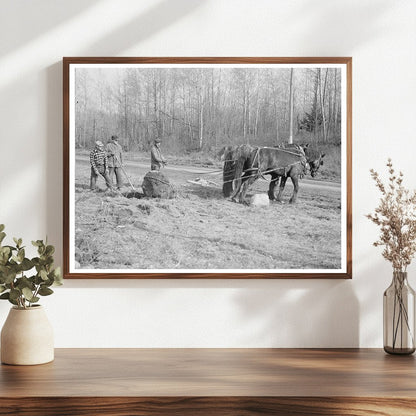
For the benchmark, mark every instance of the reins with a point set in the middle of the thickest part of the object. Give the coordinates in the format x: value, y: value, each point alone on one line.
x: 261, y: 173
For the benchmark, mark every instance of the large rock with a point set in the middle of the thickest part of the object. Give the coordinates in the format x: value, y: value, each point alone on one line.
x: 157, y: 185
x: 260, y: 200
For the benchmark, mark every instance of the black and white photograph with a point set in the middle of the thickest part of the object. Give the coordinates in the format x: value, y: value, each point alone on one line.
x: 213, y: 168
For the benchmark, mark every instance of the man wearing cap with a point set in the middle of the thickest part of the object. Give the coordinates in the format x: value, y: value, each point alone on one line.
x: 98, y: 160
x: 115, y: 160
x: 156, y: 158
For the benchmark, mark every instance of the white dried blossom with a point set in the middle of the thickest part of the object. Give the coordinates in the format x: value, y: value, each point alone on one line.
x: 396, y: 216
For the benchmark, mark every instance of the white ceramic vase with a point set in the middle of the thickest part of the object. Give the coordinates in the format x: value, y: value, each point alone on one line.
x: 27, y: 337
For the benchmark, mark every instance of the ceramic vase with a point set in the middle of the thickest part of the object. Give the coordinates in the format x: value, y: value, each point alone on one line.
x: 27, y: 337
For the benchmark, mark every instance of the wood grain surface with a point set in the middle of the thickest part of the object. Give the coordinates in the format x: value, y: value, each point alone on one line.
x: 212, y: 381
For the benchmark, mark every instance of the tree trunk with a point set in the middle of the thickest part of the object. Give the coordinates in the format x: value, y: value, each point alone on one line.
x: 315, y: 105
x: 322, y: 102
x: 335, y: 106
x: 244, y: 108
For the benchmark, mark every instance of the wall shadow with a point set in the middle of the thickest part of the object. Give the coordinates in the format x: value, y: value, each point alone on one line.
x: 158, y: 17
x: 302, y: 314
x: 37, y: 18
x: 337, y: 18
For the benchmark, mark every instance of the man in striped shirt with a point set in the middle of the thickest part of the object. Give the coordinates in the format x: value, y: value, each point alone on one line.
x: 98, y: 160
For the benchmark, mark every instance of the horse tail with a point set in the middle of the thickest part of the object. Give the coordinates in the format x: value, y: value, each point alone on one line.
x: 238, y: 173
x: 228, y: 172
x: 243, y: 156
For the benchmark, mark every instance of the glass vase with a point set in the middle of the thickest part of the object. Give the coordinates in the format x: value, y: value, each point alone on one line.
x: 399, y: 316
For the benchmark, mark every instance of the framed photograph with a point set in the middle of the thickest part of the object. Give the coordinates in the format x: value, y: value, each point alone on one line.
x: 207, y: 168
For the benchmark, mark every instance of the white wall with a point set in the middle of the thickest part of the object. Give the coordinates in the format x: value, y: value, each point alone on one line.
x: 380, y: 35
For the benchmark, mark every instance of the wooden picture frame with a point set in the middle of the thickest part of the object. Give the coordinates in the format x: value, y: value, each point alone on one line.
x: 198, y: 106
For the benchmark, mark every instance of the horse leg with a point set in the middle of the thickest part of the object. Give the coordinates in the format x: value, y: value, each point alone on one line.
x: 239, y: 188
x: 295, y: 181
x: 236, y: 193
x: 247, y: 185
x: 272, y: 186
x: 283, y: 180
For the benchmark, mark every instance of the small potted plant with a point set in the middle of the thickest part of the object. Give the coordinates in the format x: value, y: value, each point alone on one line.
x: 396, y: 217
x: 27, y: 336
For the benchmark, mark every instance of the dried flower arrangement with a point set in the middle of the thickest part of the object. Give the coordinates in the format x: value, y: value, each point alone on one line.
x: 396, y: 216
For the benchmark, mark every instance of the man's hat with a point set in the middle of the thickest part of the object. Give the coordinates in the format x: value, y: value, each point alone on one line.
x: 114, y: 137
x: 99, y: 143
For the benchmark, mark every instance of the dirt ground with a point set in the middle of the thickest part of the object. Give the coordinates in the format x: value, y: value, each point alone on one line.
x: 200, y: 229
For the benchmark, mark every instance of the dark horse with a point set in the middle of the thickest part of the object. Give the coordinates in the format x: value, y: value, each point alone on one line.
x: 314, y: 160
x: 230, y: 155
x: 256, y: 162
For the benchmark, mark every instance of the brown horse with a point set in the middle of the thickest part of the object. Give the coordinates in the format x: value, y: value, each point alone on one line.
x: 313, y: 156
x: 265, y: 161
x: 230, y: 155
x: 314, y: 160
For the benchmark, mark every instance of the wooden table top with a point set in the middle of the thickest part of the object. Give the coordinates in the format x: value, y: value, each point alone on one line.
x: 214, y: 372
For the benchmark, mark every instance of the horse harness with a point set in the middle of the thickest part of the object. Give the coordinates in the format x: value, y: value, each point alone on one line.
x: 286, y: 168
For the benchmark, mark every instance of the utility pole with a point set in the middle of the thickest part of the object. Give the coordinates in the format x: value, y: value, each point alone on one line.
x: 291, y: 107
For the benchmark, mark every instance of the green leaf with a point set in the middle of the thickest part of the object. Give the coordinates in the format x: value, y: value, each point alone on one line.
x: 13, y: 302
x: 43, y: 274
x: 21, y: 255
x: 4, y: 255
x: 38, y: 280
x: 15, y: 294
x: 5, y: 250
x: 58, y: 280
x: 49, y: 250
x: 26, y: 264
x: 45, y: 291
x: 11, y: 248
x: 17, y: 241
x: 37, y: 243
x: 24, y: 282
x: 5, y: 295
x: 1, y: 227
x: 2, y: 288
x: 2, y: 236
x: 9, y: 277
x: 27, y: 293
x: 48, y: 260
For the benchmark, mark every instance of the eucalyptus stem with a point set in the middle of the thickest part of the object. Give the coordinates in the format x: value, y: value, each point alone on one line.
x: 23, y: 280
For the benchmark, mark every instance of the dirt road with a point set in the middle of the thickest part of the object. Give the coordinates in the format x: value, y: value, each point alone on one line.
x: 180, y: 173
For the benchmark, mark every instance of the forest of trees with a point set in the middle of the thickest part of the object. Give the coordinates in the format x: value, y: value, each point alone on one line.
x: 203, y: 109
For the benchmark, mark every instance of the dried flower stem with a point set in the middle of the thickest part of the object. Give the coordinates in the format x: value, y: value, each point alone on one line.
x: 396, y: 216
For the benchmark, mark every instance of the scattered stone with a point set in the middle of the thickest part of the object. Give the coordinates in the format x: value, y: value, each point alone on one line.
x: 133, y: 194
x: 145, y: 208
x: 260, y: 200
x: 157, y: 185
